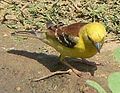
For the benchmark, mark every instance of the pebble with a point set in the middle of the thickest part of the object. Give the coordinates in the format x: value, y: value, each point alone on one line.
x: 18, y: 88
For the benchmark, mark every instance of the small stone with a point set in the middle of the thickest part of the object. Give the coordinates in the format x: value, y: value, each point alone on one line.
x: 119, y: 66
x: 39, y: 72
x: 18, y: 88
x: 5, y: 35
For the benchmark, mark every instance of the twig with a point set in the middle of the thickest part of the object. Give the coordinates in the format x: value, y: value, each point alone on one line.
x: 111, y: 40
x: 52, y: 74
x: 22, y: 8
x: 5, y: 1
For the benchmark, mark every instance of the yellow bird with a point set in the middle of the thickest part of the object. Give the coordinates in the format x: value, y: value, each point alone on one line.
x: 78, y: 40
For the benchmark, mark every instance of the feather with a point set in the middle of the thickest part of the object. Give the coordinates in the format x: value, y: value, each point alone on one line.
x: 65, y: 34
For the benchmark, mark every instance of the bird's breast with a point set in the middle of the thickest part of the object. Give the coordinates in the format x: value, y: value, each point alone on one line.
x: 81, y: 50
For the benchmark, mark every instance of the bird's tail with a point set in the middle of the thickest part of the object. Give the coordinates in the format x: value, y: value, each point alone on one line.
x: 35, y: 34
x: 31, y: 34
x: 38, y: 34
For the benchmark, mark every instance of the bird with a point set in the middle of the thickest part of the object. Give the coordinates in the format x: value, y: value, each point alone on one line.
x: 77, y: 40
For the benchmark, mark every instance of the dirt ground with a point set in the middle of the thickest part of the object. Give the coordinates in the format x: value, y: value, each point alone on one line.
x: 21, y: 61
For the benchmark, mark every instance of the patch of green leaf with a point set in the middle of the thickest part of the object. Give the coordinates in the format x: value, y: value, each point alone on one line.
x: 114, y: 82
x: 116, y: 54
x: 96, y: 86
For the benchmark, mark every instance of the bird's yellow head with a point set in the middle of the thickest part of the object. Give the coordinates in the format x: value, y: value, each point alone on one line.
x: 95, y: 32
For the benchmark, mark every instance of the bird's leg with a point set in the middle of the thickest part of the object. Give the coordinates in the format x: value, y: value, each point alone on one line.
x: 77, y: 72
x: 52, y: 74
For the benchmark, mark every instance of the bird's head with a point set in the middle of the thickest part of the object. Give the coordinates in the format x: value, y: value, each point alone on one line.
x: 95, y: 32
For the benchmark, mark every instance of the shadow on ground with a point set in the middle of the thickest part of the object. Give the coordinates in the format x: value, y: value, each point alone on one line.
x: 52, y: 62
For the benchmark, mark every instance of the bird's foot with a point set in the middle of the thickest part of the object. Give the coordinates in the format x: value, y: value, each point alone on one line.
x: 50, y: 75
x: 77, y: 72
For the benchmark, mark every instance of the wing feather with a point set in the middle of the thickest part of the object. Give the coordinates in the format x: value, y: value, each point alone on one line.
x: 65, y: 34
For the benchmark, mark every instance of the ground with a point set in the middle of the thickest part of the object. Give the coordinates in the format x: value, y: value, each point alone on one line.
x: 23, y: 60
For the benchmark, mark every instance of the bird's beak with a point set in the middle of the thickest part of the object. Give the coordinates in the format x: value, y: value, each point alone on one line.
x: 98, y: 46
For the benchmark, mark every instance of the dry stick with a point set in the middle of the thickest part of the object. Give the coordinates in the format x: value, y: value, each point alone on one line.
x: 6, y: 1
x: 22, y: 8
x: 52, y: 74
x: 110, y: 40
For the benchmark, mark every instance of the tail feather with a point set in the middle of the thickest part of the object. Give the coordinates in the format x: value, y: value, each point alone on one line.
x: 38, y: 34
x: 32, y: 34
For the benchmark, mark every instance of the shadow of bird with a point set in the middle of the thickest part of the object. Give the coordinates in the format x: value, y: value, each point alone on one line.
x: 53, y: 63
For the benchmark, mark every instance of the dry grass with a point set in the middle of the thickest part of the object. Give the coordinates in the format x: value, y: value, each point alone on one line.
x: 32, y: 14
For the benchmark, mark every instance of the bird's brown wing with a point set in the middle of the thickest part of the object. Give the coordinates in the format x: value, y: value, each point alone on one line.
x: 65, y: 34
x: 73, y: 29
